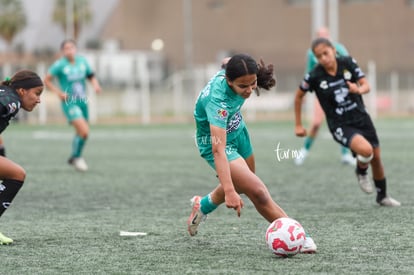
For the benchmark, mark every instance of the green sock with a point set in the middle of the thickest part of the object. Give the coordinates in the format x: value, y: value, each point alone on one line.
x: 344, y: 150
x: 77, y: 146
x: 207, y: 205
x: 308, y: 143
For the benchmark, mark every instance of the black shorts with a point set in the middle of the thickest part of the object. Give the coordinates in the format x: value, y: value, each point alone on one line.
x: 343, y: 134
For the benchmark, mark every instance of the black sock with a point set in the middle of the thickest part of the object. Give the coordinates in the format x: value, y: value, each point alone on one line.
x: 381, y: 186
x: 361, y: 171
x: 8, y: 190
x: 2, y: 151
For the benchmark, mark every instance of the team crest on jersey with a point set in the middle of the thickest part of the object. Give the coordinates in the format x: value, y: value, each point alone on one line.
x: 347, y: 75
x: 324, y: 85
x: 222, y: 114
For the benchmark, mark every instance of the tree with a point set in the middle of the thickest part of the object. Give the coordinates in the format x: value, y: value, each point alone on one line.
x: 81, y: 14
x: 12, y: 19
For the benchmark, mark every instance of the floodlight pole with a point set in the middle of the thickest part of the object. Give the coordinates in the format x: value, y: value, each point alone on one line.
x: 333, y: 15
x: 69, y: 19
x: 318, y: 16
x: 188, y: 34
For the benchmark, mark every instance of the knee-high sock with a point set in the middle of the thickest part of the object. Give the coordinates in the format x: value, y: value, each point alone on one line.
x: 381, y: 186
x: 8, y: 190
x: 344, y: 150
x: 207, y: 205
x: 308, y: 142
x: 77, y: 146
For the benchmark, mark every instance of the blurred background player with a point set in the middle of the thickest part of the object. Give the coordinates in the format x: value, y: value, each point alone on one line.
x: 23, y: 90
x: 339, y: 84
x: 72, y: 71
x: 223, y: 141
x: 318, y: 115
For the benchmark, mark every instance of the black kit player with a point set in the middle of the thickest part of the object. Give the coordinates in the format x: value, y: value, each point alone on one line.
x: 339, y: 84
x: 23, y: 90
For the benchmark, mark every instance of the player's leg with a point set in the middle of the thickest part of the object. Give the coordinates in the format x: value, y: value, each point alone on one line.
x: 202, y: 206
x: 82, y: 131
x: 380, y: 182
x: 12, y: 176
x: 364, y: 152
x: 75, y: 114
x: 248, y: 183
x: 2, y: 148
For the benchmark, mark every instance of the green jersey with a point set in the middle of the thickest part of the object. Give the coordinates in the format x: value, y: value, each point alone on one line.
x: 72, y: 77
x: 220, y: 106
x: 311, y: 60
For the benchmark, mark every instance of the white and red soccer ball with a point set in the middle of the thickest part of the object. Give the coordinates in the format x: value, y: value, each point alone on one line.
x: 285, y: 237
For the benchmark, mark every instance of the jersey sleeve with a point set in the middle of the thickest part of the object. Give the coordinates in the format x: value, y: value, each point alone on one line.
x: 55, y: 68
x: 356, y: 71
x: 89, y: 70
x: 9, y: 109
x: 3, y: 110
x: 216, y: 114
x: 305, y: 85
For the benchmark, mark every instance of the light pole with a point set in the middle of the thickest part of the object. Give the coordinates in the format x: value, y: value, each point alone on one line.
x: 69, y: 19
x: 188, y: 34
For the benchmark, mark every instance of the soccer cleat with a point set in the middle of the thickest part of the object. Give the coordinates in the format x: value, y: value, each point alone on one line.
x: 309, y: 246
x: 365, y: 183
x: 5, y: 240
x: 349, y: 160
x: 303, y: 153
x: 79, y: 164
x: 196, y: 216
x: 388, y: 201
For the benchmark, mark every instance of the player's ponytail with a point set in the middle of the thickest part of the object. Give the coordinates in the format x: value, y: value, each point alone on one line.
x: 6, y: 82
x: 243, y: 64
x: 265, y: 77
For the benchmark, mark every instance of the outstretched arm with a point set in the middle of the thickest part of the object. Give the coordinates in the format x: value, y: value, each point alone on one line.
x: 48, y: 80
x: 218, y: 141
x: 300, y: 131
x: 95, y: 84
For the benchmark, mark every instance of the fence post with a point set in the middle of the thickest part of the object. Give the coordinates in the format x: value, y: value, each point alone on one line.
x: 394, y: 87
x: 142, y: 66
x: 372, y: 79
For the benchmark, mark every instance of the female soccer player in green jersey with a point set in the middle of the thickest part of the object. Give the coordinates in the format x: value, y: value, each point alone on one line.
x: 223, y: 141
x: 339, y: 82
x: 23, y: 90
x: 72, y: 71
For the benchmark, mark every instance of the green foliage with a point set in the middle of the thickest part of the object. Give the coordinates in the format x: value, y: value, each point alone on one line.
x: 81, y: 14
x: 141, y: 179
x: 12, y: 19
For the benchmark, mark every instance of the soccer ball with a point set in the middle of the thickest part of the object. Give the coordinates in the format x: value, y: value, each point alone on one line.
x: 285, y: 237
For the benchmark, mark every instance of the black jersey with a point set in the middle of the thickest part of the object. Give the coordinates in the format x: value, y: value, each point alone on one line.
x: 340, y: 106
x: 9, y: 106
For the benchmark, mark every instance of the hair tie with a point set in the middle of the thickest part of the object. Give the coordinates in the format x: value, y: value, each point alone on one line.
x: 7, y: 78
